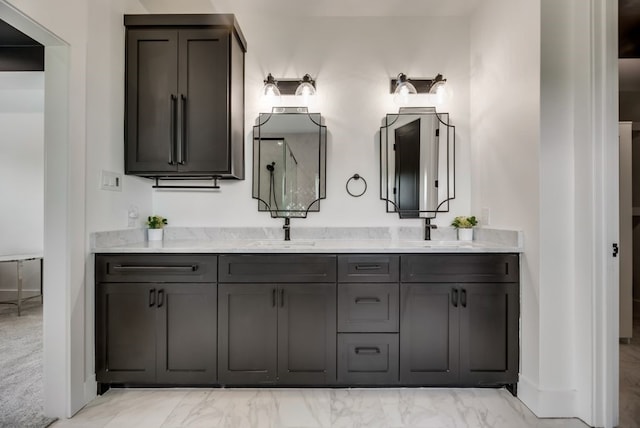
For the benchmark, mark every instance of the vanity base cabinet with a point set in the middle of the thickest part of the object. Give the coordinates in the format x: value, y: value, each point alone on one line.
x: 277, y: 334
x: 459, y: 333
x: 156, y: 333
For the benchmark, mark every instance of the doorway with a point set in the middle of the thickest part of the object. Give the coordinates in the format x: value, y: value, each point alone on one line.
x: 57, y: 240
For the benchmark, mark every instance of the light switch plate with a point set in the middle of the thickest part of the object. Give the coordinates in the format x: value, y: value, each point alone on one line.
x: 484, y: 216
x: 111, y: 181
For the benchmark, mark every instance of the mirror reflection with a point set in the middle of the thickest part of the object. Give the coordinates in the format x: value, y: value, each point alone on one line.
x: 289, y: 162
x: 417, y: 155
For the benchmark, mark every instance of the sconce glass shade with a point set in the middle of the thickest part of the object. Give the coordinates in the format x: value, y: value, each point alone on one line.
x: 270, y: 89
x: 306, y: 87
x: 404, y: 88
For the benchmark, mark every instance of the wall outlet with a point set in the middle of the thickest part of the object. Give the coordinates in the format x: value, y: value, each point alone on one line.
x: 484, y: 216
x: 111, y: 181
x: 132, y: 216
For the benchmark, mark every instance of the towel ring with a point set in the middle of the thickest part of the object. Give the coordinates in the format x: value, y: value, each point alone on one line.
x: 356, y: 177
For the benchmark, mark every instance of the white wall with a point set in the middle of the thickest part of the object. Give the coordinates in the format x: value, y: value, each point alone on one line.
x: 22, y: 154
x: 505, y: 119
x: 353, y: 60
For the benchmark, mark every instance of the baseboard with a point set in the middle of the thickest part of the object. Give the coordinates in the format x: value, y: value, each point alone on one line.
x: 12, y: 295
x: 547, y: 403
x: 90, y: 389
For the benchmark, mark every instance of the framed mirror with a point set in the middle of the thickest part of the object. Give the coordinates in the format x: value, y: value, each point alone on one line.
x: 417, y: 162
x: 289, y: 162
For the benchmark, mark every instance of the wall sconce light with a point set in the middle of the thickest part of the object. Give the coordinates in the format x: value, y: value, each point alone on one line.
x: 402, y: 87
x: 270, y: 89
x: 305, y: 87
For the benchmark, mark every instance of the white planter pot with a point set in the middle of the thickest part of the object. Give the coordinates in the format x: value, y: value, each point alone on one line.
x: 154, y: 234
x: 465, y: 234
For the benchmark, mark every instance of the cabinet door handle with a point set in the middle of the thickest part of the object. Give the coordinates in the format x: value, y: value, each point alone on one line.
x: 367, y: 300
x: 152, y: 297
x: 463, y: 298
x: 282, y: 297
x: 172, y: 148
x: 371, y: 350
x: 273, y: 297
x: 368, y: 267
x: 183, y: 130
x: 454, y: 297
x: 160, y: 298
x: 147, y: 269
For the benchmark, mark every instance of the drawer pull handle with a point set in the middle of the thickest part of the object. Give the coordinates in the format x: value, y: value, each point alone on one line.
x: 368, y: 267
x: 463, y: 298
x: 163, y: 269
x: 367, y: 300
x: 367, y: 350
x: 454, y: 298
x: 152, y: 297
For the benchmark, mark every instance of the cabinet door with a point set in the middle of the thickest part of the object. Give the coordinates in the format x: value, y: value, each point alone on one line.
x: 429, y: 327
x: 307, y: 334
x: 187, y: 333
x: 203, y: 140
x: 151, y: 101
x: 247, y: 336
x: 489, y: 315
x: 125, y: 333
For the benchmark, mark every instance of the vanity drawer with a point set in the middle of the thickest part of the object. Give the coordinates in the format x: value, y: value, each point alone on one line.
x: 368, y: 359
x: 459, y: 268
x: 156, y: 268
x: 368, y: 268
x: 368, y: 308
x: 277, y: 268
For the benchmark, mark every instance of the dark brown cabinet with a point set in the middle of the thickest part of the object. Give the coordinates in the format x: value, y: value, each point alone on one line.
x: 277, y: 319
x: 184, y: 105
x: 459, y: 333
x: 156, y: 332
x: 281, y: 334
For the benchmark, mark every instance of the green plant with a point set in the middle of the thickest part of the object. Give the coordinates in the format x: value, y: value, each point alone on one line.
x: 156, y: 222
x: 464, y: 222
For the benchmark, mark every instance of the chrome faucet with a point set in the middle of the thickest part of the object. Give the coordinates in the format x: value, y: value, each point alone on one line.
x: 427, y: 229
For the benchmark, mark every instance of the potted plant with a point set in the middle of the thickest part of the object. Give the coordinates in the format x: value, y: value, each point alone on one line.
x: 465, y: 226
x: 155, y: 223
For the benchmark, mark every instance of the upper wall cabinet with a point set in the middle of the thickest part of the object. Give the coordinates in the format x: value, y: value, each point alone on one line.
x: 184, y: 96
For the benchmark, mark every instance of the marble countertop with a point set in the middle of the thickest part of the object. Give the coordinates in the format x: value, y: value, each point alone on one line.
x: 311, y: 240
x: 309, y: 246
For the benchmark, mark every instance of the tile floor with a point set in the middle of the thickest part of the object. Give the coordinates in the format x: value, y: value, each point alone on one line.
x: 302, y: 408
x: 630, y: 380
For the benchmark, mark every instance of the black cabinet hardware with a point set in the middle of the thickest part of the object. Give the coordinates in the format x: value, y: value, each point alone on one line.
x: 152, y: 297
x: 463, y: 298
x: 367, y: 300
x: 368, y: 267
x: 160, y: 298
x: 454, y: 297
x: 172, y: 111
x: 166, y: 269
x: 367, y: 350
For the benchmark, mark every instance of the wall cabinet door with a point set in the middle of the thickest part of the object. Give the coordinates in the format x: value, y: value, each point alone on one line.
x: 125, y: 333
x: 489, y: 315
x: 186, y: 334
x: 184, y: 105
x: 307, y: 334
x: 247, y: 335
x: 429, y: 326
x: 151, y: 101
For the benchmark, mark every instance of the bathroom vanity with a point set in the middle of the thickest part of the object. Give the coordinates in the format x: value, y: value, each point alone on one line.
x: 310, y: 314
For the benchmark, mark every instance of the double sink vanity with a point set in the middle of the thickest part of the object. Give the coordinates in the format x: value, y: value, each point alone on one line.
x: 334, y: 308
x: 307, y: 312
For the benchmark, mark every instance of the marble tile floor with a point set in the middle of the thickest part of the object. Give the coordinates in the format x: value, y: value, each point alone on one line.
x: 310, y: 408
x: 630, y: 380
